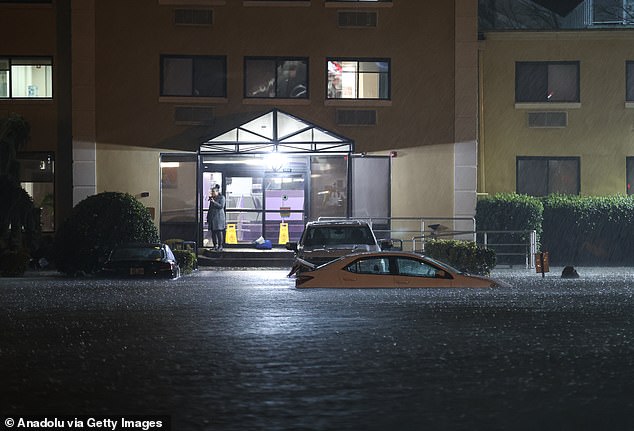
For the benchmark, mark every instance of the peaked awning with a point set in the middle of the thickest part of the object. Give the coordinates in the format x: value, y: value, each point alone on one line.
x: 277, y: 131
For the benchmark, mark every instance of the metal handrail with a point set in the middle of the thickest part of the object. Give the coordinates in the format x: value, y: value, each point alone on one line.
x: 530, y: 247
x: 422, y: 221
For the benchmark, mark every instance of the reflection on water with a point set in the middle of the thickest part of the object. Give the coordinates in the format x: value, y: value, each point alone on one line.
x: 245, y: 350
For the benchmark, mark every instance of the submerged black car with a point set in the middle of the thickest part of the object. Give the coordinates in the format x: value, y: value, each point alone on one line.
x: 142, y: 260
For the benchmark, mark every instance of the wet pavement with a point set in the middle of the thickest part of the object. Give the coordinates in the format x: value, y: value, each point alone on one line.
x: 244, y: 350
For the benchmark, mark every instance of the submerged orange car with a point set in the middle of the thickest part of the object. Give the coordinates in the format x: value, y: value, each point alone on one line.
x: 387, y: 269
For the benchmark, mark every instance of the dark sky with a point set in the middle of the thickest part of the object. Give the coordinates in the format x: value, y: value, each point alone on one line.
x: 562, y: 7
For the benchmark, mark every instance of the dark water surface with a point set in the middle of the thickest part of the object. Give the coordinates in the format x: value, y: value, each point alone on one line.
x: 244, y: 350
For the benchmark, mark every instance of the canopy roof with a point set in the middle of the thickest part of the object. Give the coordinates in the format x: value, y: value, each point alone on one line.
x: 277, y: 131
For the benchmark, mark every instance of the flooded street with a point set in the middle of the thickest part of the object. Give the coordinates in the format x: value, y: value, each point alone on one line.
x: 244, y: 350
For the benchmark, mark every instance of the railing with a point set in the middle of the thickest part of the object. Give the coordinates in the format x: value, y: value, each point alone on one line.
x: 513, y: 247
x: 404, y: 228
x: 413, y: 232
x: 510, y: 248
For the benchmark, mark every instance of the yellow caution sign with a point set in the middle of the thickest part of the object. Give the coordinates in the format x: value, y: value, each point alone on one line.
x: 283, y: 233
x: 231, y: 237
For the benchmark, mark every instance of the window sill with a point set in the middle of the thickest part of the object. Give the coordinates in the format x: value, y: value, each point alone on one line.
x: 193, y: 100
x: 26, y: 101
x: 271, y: 101
x: 629, y: 105
x: 361, y: 4
x: 548, y: 105
x: 194, y: 2
x: 370, y: 103
x: 276, y: 3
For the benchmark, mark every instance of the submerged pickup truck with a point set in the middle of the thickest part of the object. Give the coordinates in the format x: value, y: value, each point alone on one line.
x: 323, y: 241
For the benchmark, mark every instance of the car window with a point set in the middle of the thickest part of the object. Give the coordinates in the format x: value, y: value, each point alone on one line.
x: 136, y: 253
x: 338, y: 235
x: 415, y: 268
x: 372, y: 265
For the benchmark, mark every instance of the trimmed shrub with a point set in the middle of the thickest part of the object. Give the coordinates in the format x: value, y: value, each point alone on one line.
x: 14, y: 263
x: 186, y: 260
x: 466, y: 256
x: 589, y: 230
x: 508, y: 212
x: 97, y: 225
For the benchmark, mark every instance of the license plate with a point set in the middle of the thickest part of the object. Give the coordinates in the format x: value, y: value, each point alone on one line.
x: 136, y: 271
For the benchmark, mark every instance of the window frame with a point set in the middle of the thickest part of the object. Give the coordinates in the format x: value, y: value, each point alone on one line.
x: 193, y: 58
x: 359, y: 60
x: 546, y: 64
x: 46, y: 61
x: 547, y: 159
x: 278, y: 61
x: 629, y: 81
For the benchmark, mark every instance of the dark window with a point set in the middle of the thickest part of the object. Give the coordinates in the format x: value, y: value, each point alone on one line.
x: 611, y: 11
x: 547, y: 81
x: 193, y: 76
x: 358, y: 79
x: 276, y: 78
x: 541, y: 176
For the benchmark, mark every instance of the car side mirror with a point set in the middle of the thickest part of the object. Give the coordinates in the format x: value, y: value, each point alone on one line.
x: 291, y: 245
x: 385, y: 244
x: 441, y: 274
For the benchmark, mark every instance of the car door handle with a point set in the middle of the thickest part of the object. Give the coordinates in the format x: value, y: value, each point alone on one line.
x: 349, y: 279
x: 402, y: 282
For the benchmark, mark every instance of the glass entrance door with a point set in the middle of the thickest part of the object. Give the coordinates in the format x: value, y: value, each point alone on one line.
x: 285, y: 203
x: 245, y: 205
x: 261, y: 201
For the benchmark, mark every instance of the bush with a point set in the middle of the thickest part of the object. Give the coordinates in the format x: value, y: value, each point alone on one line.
x: 508, y: 212
x: 589, y: 230
x: 186, y: 260
x: 97, y: 225
x: 466, y: 256
x: 14, y: 263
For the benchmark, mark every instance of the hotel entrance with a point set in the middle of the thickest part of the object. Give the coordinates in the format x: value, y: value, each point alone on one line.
x: 276, y: 172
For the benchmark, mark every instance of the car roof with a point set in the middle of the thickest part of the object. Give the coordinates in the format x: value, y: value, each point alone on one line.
x: 140, y: 245
x: 337, y: 223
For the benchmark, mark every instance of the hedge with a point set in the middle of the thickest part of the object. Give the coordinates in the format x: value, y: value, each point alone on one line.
x: 466, y: 256
x: 186, y: 259
x: 509, y: 212
x: 589, y: 230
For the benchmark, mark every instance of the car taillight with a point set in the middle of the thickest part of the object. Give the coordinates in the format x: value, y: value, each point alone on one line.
x: 302, y: 278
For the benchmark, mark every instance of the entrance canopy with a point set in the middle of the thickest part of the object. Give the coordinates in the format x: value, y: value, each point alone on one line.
x: 277, y: 131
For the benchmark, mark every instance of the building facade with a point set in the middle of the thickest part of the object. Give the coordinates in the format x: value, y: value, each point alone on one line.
x: 297, y: 109
x: 556, y: 107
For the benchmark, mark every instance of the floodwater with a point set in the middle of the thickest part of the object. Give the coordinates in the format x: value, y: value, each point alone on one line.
x: 244, y: 350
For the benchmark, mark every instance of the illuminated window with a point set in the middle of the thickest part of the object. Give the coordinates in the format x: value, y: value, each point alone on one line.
x: 193, y: 76
x: 26, y: 78
x: 547, y: 81
x: 358, y: 79
x: 279, y: 78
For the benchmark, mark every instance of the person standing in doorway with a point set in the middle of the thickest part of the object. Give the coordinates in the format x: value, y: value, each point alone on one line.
x: 216, y: 219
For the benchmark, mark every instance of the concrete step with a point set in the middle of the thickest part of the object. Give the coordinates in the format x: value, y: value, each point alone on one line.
x: 245, y: 257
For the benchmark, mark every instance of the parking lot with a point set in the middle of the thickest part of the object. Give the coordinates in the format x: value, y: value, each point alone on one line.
x: 244, y: 350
